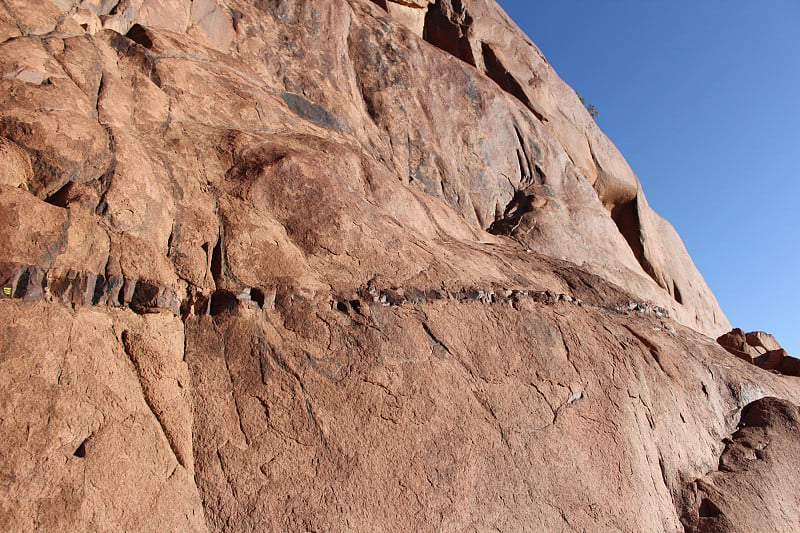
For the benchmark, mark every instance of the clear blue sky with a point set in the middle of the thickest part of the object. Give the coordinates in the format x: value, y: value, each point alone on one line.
x: 703, y: 99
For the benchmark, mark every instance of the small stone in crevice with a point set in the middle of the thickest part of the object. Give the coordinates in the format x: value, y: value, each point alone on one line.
x: 643, y: 308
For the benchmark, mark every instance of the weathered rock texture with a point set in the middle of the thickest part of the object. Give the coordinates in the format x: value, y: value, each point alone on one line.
x: 346, y: 265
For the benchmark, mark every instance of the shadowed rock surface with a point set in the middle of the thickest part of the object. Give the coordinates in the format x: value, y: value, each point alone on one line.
x: 759, y: 460
x: 348, y: 265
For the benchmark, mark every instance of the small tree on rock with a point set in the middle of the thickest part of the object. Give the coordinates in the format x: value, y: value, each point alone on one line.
x: 589, y: 107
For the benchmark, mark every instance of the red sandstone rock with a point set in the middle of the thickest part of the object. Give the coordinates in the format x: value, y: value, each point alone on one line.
x: 753, y: 488
x: 333, y: 265
x: 758, y: 348
x: 735, y: 342
x: 780, y: 361
x: 761, y: 339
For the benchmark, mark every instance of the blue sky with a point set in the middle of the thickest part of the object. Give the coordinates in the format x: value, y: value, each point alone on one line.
x: 703, y: 99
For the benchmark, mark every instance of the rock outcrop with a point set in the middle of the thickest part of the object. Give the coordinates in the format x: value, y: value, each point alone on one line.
x: 761, y: 349
x: 347, y: 265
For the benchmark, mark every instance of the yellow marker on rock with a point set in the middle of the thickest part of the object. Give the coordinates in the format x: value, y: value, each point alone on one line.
x: 7, y: 291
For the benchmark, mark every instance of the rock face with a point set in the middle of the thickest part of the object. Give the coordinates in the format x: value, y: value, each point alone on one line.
x: 348, y: 265
x: 756, y: 460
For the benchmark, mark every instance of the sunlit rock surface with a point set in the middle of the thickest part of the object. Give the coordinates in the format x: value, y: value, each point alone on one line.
x: 348, y: 265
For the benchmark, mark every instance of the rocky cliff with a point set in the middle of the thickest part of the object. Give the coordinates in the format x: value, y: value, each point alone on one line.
x: 348, y: 265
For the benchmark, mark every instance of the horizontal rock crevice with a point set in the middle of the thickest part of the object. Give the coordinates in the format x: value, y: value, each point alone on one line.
x: 73, y: 287
x: 31, y: 282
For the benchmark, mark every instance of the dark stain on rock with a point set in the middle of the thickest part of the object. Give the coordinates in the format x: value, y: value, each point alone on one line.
x: 311, y: 111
